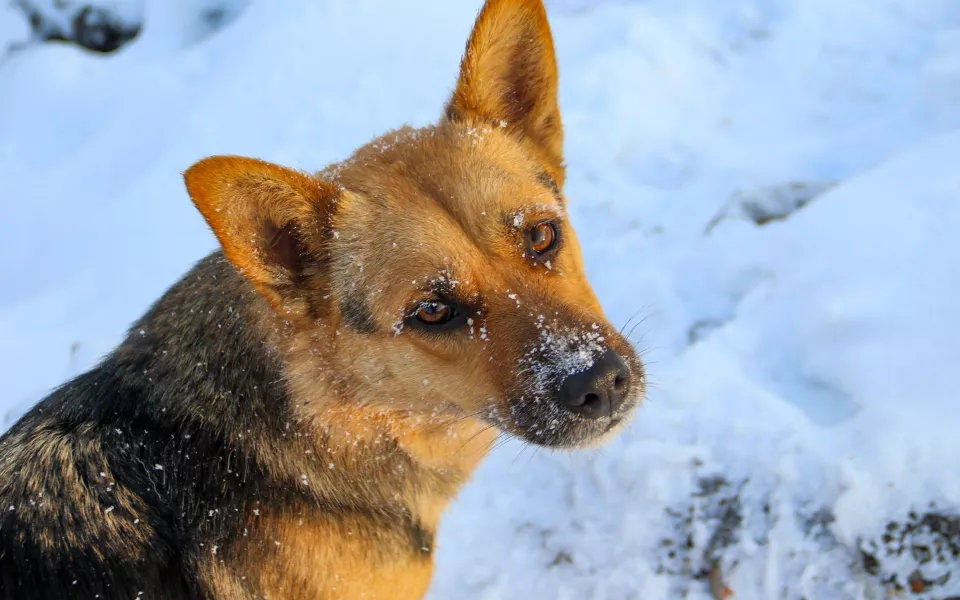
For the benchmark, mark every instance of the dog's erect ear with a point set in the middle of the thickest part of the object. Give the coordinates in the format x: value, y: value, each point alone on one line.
x: 269, y: 219
x: 509, y: 74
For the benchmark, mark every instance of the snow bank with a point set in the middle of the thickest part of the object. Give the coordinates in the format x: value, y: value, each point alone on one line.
x: 14, y: 28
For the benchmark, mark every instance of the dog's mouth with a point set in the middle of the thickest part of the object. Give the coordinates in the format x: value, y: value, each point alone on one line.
x: 546, y: 423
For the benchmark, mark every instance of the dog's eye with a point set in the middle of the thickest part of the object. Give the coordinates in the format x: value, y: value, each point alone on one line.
x: 435, y: 313
x: 542, y: 237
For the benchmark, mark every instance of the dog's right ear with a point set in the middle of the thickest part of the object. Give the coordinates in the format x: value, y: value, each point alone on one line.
x: 270, y: 220
x: 508, y: 76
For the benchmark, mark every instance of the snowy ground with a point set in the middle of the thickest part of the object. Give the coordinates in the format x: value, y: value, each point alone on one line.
x: 773, y: 184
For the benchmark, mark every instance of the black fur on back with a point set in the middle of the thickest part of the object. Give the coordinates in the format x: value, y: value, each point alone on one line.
x: 115, y: 484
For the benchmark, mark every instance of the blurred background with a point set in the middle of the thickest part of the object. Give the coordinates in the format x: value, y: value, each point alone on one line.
x: 769, y: 188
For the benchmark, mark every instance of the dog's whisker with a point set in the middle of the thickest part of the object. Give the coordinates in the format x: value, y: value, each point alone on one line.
x: 637, y: 324
x: 523, y: 448
x: 632, y: 317
x: 474, y: 436
x: 533, y: 455
x: 502, y: 441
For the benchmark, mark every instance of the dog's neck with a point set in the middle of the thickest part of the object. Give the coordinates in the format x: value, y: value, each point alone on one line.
x: 423, y: 456
x: 341, y: 431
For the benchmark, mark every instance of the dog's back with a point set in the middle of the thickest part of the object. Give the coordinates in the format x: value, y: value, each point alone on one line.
x: 117, y: 480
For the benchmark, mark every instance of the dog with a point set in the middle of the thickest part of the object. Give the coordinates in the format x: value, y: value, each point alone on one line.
x: 292, y: 418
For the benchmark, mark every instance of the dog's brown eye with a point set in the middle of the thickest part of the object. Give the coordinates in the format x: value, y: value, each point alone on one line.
x: 542, y: 237
x: 434, y: 313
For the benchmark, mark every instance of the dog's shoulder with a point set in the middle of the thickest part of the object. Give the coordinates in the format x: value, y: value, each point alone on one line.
x: 74, y: 521
x: 102, y: 484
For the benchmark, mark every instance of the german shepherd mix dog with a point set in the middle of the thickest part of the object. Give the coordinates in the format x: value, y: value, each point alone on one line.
x: 291, y: 419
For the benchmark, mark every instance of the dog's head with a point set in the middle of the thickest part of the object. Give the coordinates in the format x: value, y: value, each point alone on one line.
x: 436, y: 270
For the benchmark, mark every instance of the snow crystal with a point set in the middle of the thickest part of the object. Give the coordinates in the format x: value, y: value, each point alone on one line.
x: 559, y: 353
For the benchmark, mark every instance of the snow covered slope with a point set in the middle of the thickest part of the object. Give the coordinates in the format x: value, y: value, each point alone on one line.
x: 772, y: 184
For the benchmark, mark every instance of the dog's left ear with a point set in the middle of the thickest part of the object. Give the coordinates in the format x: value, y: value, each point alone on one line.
x: 270, y: 220
x: 508, y: 75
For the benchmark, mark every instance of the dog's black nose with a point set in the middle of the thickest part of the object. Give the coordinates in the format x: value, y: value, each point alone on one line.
x: 600, y: 390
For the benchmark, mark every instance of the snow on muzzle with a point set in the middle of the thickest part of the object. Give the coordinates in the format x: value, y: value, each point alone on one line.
x: 573, y: 386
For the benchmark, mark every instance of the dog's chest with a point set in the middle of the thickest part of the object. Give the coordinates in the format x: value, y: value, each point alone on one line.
x: 334, y: 554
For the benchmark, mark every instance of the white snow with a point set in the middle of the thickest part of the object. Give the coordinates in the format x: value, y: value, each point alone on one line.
x: 14, y: 28
x: 804, y: 368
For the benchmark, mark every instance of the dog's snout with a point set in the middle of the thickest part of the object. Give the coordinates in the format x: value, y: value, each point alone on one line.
x: 598, y: 391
